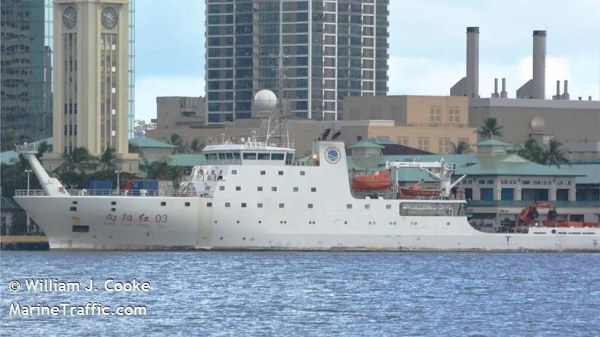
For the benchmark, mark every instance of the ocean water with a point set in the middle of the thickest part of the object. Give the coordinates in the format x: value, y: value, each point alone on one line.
x: 308, y: 294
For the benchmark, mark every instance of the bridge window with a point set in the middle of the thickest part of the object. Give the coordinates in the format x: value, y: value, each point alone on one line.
x: 264, y: 156
x: 236, y: 155
x: 289, y: 158
x: 249, y: 156
x: 222, y: 156
x: 229, y: 155
x: 277, y: 156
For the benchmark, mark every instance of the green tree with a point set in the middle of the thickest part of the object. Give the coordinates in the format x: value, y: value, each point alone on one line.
x: 43, y: 147
x: 176, y: 140
x: 532, y: 151
x: 78, y: 161
x: 196, y: 146
x: 490, y: 128
x: 8, y: 139
x: 555, y: 155
x: 461, y: 148
x: 109, y: 159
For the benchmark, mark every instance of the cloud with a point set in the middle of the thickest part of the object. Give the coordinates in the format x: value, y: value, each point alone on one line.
x: 148, y: 88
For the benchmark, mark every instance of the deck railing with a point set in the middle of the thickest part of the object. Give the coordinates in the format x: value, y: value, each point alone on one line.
x: 100, y: 192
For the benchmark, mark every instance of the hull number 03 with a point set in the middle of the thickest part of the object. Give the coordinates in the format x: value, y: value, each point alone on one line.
x: 161, y: 218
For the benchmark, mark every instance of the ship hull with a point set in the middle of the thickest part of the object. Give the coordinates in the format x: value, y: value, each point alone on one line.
x: 138, y: 223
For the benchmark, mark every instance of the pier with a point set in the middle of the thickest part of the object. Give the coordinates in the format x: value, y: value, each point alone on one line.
x: 24, y: 242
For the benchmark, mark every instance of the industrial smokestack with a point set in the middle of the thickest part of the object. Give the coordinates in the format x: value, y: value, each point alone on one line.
x: 472, y: 84
x: 558, y: 95
x: 495, y: 93
x: 504, y: 94
x: 539, y: 64
x: 565, y: 95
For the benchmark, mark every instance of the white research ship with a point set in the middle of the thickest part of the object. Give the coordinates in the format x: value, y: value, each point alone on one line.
x: 255, y: 195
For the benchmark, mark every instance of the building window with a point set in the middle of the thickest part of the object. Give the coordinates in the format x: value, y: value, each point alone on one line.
x: 403, y: 141
x: 444, y: 145
x: 454, y: 115
x: 423, y: 143
x: 435, y: 114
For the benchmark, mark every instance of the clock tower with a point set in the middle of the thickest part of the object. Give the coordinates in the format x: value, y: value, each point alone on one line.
x: 91, y: 53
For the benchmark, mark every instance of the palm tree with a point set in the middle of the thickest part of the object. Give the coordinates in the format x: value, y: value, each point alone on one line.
x: 554, y: 154
x: 490, y: 128
x: 43, y: 147
x: 79, y: 160
x: 177, y: 141
x: 532, y: 151
x: 9, y: 137
x: 109, y: 159
x: 461, y: 148
x: 196, y: 146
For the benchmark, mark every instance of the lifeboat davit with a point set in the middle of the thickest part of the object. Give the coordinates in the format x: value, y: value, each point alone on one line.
x: 425, y: 192
x: 368, y: 182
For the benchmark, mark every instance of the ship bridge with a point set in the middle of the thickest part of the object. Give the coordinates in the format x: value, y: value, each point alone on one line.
x: 248, y: 153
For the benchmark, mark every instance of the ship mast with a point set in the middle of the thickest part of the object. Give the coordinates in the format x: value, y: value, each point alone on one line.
x: 282, y: 118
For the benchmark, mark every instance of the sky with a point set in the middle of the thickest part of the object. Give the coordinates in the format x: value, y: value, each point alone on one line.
x: 427, y: 46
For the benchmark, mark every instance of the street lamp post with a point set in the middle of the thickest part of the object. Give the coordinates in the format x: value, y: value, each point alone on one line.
x: 28, y: 172
x: 118, y: 181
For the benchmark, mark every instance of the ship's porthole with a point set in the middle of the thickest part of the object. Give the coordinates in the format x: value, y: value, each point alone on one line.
x: 448, y: 224
x: 221, y: 238
x: 215, y: 221
x: 259, y: 221
x: 238, y: 221
x: 345, y: 222
x: 244, y: 238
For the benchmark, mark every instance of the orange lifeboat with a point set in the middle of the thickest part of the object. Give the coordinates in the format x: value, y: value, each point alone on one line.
x: 426, y: 192
x: 368, y: 182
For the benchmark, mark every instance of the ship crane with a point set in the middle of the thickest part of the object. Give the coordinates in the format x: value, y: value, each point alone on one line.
x: 440, y: 171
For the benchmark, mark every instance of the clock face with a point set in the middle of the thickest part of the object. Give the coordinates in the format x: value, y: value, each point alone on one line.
x: 70, y: 17
x: 109, y: 18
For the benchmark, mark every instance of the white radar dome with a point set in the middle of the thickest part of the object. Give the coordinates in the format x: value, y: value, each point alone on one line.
x: 538, y: 124
x: 265, y: 100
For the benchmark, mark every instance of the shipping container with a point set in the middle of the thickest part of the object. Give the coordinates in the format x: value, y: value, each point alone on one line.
x: 100, y: 187
x: 136, y: 186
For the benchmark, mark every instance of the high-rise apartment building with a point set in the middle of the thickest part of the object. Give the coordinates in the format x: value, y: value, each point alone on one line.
x: 26, y: 100
x: 91, y: 79
x: 332, y: 49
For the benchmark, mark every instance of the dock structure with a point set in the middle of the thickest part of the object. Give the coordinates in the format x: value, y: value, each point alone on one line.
x: 24, y: 242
